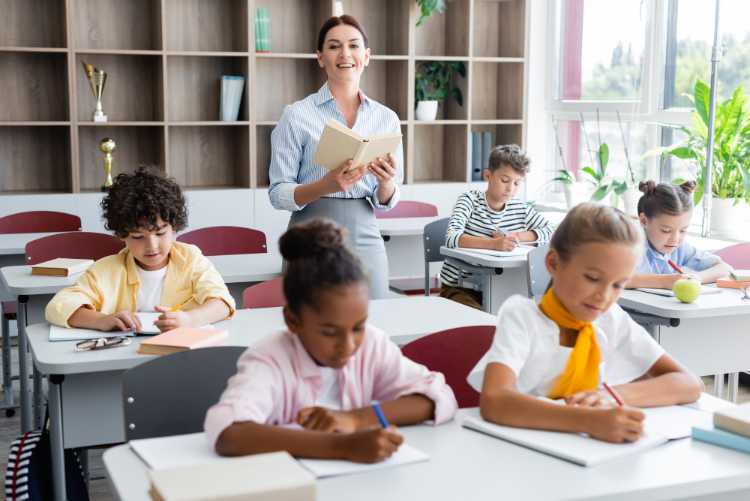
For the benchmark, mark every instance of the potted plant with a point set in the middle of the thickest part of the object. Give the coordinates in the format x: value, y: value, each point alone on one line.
x: 434, y: 83
x: 730, y: 182
x: 427, y: 7
x: 575, y: 191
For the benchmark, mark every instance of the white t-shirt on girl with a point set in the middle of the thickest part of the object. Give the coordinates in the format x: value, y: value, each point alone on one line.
x: 528, y: 342
x: 330, y: 390
x: 149, y: 290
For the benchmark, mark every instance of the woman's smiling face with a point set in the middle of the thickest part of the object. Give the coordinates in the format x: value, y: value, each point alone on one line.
x: 344, y: 55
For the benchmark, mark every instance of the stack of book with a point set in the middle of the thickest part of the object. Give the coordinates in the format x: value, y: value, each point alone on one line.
x: 61, y: 267
x: 731, y: 429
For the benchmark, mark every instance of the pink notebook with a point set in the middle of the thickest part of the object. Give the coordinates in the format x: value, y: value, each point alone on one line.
x: 181, y: 339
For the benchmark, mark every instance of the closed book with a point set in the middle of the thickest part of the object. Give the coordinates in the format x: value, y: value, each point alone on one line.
x: 487, y: 145
x: 274, y: 475
x: 232, y: 87
x: 730, y: 283
x: 61, y: 267
x: 722, y: 438
x: 741, y: 275
x: 735, y: 419
x: 476, y: 156
x: 339, y: 143
x: 182, y: 339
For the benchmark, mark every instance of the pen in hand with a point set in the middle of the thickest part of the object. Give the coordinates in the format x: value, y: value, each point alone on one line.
x: 613, y: 394
x: 379, y: 413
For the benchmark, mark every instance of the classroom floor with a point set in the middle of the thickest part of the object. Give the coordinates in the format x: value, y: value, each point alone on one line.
x: 99, y: 486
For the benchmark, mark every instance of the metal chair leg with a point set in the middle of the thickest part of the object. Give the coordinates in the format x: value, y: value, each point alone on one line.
x: 8, y: 401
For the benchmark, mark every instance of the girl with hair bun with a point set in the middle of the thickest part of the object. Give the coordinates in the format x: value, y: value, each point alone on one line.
x: 326, y: 369
x: 665, y: 211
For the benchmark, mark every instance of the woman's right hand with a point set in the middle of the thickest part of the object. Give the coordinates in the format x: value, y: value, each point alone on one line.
x: 343, y: 177
x: 370, y: 446
x: 617, y: 424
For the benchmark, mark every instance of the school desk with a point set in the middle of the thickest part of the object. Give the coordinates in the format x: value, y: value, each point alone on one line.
x: 404, y: 226
x: 709, y: 336
x: 496, y: 277
x: 85, y: 405
x: 467, y: 465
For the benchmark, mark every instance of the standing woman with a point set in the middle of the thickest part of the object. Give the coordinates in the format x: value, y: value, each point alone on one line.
x: 309, y: 190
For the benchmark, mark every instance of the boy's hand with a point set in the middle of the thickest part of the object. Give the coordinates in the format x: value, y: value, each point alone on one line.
x: 370, y: 446
x: 594, y: 398
x: 169, y: 319
x: 503, y: 242
x: 617, y: 424
x: 121, y: 321
x: 323, y: 419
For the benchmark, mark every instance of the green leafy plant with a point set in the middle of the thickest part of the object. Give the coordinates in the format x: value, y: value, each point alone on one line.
x: 598, y: 176
x: 427, y: 7
x: 731, y: 161
x: 564, y: 176
x: 435, y: 80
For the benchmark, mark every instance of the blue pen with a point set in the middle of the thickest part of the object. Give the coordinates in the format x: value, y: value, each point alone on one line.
x: 380, y: 415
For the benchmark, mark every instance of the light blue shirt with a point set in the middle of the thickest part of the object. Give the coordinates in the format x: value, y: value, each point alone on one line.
x: 685, y: 256
x: 295, y: 139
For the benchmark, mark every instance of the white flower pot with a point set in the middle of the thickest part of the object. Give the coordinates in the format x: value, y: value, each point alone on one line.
x: 576, y: 193
x: 426, y: 110
x: 729, y: 220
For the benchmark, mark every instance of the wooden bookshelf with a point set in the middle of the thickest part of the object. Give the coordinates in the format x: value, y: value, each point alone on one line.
x: 164, y: 59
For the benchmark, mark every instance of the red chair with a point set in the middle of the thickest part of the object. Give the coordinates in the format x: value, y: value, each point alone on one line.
x: 221, y: 240
x: 454, y: 352
x: 73, y: 245
x: 39, y: 222
x: 408, y: 208
x: 267, y: 294
x: 736, y: 256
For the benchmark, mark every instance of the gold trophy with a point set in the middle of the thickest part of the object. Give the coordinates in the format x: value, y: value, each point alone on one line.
x: 107, y: 146
x: 97, y: 79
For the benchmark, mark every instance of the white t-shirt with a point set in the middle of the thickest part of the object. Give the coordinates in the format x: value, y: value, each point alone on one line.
x: 330, y: 391
x: 528, y: 342
x: 149, y: 291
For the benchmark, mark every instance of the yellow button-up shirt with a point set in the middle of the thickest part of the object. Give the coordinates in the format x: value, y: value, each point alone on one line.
x: 111, y: 285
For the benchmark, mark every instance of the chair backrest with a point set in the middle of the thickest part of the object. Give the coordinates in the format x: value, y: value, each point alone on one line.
x: 454, y: 352
x: 220, y: 240
x: 39, y: 222
x: 736, y: 256
x: 408, y: 208
x: 74, y: 245
x: 537, y: 275
x: 170, y: 395
x: 266, y: 294
x: 433, y: 238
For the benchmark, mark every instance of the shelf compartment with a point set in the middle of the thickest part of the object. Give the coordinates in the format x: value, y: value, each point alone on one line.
x: 203, y: 25
x: 449, y: 109
x: 305, y: 16
x: 387, y: 25
x: 195, y: 86
x: 133, y: 92
x: 32, y: 23
x: 445, y: 34
x: 499, y: 28
x: 289, y: 79
x: 497, y: 91
x: 117, y: 24
x: 35, y: 159
x: 502, y: 134
x: 388, y: 83
x: 203, y: 157
x: 135, y: 147
x: 35, y: 86
x: 262, y: 155
x: 440, y: 153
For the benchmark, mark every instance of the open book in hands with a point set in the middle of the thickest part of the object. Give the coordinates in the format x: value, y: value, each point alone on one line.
x: 339, y: 143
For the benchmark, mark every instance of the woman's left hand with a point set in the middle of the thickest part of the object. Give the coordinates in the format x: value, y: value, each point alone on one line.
x: 384, y: 170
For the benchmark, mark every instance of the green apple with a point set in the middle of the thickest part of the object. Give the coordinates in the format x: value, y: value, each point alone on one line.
x: 687, y: 290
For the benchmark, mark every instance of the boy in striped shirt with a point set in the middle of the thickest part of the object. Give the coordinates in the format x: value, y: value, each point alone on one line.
x: 492, y: 219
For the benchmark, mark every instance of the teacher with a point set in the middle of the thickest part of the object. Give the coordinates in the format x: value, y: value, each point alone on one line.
x: 309, y: 190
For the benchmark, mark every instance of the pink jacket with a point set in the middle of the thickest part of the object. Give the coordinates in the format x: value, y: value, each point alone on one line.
x: 277, y: 377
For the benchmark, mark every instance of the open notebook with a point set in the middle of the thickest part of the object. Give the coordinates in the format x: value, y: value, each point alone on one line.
x: 662, y: 424
x: 192, y: 449
x: 705, y: 289
x: 518, y: 251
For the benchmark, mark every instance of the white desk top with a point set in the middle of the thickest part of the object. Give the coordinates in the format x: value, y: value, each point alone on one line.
x: 468, y: 465
x: 404, y: 226
x: 15, y: 243
x: 484, y: 260
x: 726, y: 303
x: 236, y: 268
x: 404, y: 319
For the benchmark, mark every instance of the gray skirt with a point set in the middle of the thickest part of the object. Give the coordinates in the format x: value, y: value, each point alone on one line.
x: 363, y: 235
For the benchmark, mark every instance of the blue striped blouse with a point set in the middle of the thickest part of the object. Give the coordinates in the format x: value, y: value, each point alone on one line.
x: 295, y: 139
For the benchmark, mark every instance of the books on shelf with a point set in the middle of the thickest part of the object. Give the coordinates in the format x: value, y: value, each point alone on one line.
x: 232, y: 87
x: 476, y: 156
x: 339, y: 143
x: 262, y: 30
x: 182, y: 339
x: 487, y: 144
x: 61, y: 267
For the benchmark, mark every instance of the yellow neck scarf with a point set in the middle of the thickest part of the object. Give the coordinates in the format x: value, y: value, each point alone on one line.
x: 581, y: 373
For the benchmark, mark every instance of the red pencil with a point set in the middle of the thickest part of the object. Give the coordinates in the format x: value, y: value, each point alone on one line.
x: 613, y: 394
x: 675, y: 267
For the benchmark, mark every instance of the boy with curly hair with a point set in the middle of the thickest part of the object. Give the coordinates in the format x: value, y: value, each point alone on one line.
x: 152, y: 273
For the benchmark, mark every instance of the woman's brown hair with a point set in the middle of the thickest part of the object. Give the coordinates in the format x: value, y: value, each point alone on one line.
x: 336, y: 21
